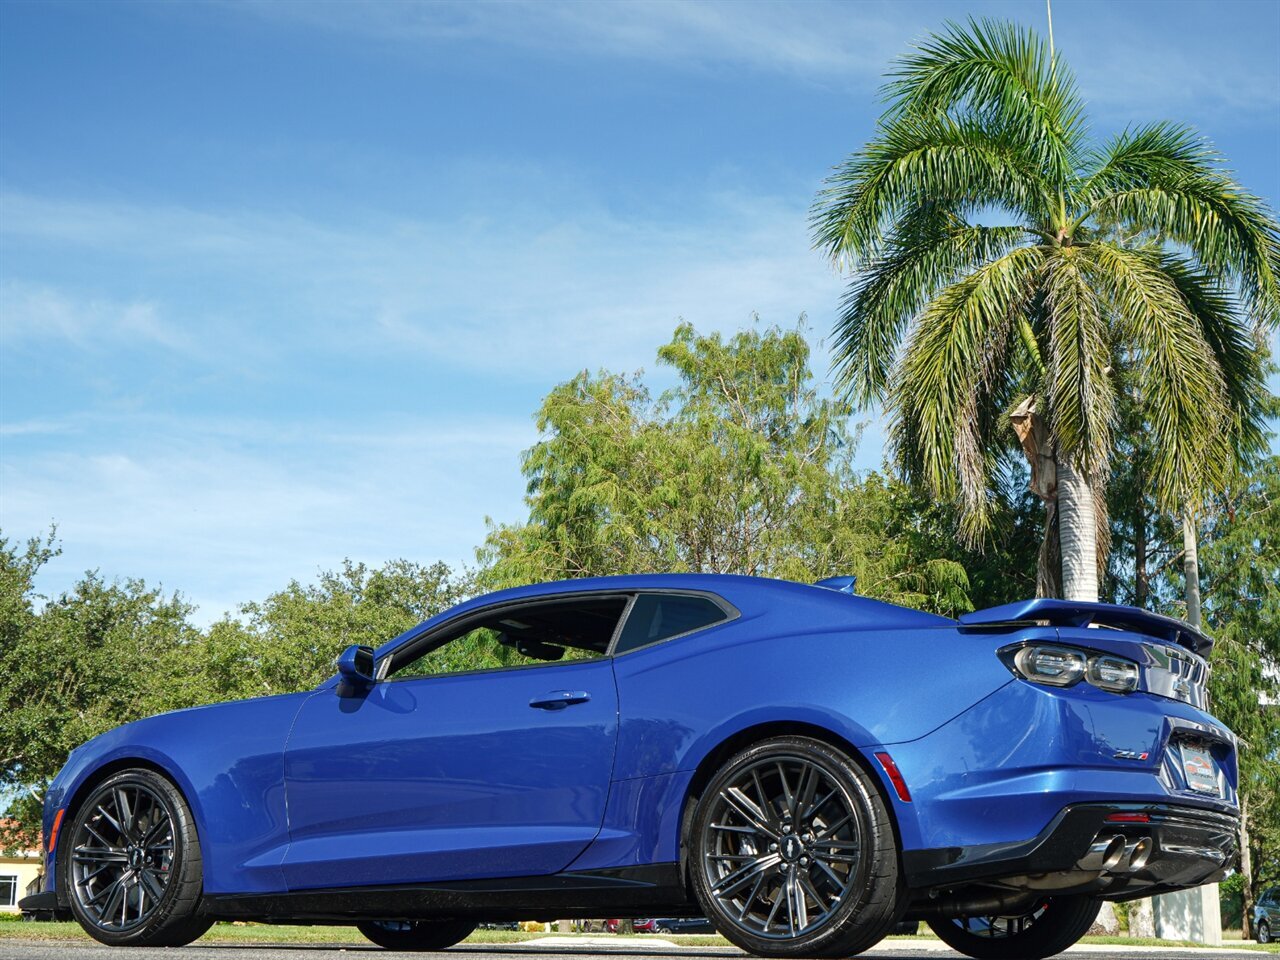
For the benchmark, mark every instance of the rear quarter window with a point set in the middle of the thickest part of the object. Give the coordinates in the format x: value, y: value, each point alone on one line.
x: 661, y: 616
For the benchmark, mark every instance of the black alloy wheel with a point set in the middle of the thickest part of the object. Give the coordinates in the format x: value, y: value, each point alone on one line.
x: 132, y: 873
x: 416, y: 935
x: 793, y: 852
x: 1053, y: 926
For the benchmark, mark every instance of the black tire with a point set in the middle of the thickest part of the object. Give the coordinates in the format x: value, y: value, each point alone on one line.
x: 416, y: 935
x: 838, y: 853
x: 1264, y: 932
x: 1053, y: 927
x: 133, y: 842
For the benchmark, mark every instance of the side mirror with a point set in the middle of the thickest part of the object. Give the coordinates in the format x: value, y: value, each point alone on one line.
x: 355, y: 665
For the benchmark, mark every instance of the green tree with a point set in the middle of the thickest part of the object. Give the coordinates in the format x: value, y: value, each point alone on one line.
x: 1141, y: 251
x: 289, y: 641
x: 740, y: 468
x: 1241, y: 563
x: 74, y: 665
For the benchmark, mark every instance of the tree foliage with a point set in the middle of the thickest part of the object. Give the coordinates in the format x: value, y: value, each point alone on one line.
x: 741, y: 467
x: 105, y: 653
x: 1142, y: 248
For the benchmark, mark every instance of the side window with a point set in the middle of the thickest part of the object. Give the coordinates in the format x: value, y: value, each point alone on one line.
x: 515, y: 636
x: 8, y: 890
x: 657, y: 616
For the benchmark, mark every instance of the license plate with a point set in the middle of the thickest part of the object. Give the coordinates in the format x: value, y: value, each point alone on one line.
x: 1199, y: 769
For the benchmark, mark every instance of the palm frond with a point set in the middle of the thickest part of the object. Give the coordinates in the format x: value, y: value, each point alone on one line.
x: 920, y: 259
x: 1167, y: 181
x: 1231, y: 338
x: 1181, y: 383
x: 1081, y: 400
x: 949, y: 373
x: 936, y: 161
x: 1003, y: 74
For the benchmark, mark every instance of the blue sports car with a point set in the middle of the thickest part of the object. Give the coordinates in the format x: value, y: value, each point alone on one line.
x: 804, y: 767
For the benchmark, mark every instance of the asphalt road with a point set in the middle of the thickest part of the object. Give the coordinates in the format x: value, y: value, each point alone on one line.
x: 890, y: 950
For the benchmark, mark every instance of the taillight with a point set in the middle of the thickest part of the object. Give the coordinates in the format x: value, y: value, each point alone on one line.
x: 1113, y: 673
x: 1055, y: 666
x: 1059, y: 666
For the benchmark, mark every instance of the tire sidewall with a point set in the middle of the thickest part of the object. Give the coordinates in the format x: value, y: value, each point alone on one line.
x: 1054, y: 931
x: 184, y: 838
x: 878, y: 874
x: 425, y: 935
x: 1264, y: 932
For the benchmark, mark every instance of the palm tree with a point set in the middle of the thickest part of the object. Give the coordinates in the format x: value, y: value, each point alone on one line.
x: 1142, y: 250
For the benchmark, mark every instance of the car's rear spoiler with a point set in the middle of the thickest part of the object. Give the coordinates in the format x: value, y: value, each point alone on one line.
x: 1074, y: 613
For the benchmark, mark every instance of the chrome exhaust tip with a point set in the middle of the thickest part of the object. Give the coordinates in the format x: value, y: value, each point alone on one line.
x: 1137, y: 854
x: 1105, y: 853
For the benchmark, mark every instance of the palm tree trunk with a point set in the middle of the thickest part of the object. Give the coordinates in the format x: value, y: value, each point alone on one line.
x: 1191, y: 567
x: 1140, y: 582
x: 1077, y: 531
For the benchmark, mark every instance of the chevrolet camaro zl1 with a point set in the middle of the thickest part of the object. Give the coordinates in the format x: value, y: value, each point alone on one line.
x: 803, y: 766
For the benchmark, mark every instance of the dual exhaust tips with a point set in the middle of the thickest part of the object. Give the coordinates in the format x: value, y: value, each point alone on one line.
x: 1115, y: 854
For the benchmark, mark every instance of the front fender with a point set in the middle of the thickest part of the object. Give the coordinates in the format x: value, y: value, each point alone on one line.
x: 228, y: 761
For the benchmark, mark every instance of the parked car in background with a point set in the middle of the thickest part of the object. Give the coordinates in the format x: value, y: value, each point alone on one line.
x: 1266, y: 915
x: 684, y: 925
x: 637, y: 926
x: 804, y: 767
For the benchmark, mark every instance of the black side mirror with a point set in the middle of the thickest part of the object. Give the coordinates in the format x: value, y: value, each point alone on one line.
x: 355, y: 665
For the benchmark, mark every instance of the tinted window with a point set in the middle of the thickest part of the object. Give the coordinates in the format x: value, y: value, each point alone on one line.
x: 657, y: 616
x: 516, y: 636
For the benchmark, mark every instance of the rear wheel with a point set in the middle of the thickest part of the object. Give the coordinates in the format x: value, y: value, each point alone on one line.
x: 1052, y: 927
x: 792, y: 852
x: 416, y: 934
x: 133, y: 872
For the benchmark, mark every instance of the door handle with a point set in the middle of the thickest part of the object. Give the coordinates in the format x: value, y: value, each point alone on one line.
x: 559, y: 699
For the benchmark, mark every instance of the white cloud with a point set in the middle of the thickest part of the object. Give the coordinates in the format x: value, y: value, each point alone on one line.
x: 814, y: 39
x: 535, y: 297
x: 1126, y: 69
x: 34, y: 312
x: 230, y: 511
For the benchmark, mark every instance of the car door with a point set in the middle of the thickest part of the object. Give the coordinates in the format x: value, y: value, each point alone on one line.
x: 490, y: 773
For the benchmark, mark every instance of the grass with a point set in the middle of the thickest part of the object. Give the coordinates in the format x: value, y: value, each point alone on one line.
x: 271, y: 933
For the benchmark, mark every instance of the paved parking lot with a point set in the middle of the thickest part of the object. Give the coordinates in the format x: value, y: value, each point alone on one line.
x: 888, y: 950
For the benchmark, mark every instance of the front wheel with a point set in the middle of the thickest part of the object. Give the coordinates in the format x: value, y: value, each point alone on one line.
x: 1054, y: 925
x: 416, y: 934
x: 132, y: 871
x: 792, y: 852
x: 1264, y: 932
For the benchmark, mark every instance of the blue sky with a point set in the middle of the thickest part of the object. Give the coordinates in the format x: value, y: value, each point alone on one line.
x: 282, y: 283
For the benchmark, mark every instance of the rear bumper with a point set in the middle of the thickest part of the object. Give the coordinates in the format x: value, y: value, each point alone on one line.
x: 1188, y: 846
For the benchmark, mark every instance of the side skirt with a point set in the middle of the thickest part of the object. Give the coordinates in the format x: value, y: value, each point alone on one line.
x: 656, y: 889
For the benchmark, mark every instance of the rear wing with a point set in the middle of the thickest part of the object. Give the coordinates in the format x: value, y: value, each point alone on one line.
x: 1076, y: 613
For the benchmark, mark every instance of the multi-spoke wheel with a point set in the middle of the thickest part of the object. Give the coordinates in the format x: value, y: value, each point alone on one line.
x: 416, y: 934
x: 1055, y: 924
x: 793, y: 852
x: 132, y: 871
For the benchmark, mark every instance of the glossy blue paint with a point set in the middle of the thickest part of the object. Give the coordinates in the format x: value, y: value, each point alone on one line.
x: 588, y: 765
x: 1076, y: 613
x: 451, y: 777
x: 228, y: 760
